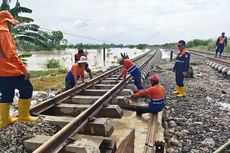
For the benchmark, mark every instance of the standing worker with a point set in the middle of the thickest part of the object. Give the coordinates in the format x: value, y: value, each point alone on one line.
x: 77, y: 58
x: 77, y: 71
x: 156, y: 95
x: 181, y: 68
x: 221, y: 42
x: 13, y: 75
x: 132, y: 69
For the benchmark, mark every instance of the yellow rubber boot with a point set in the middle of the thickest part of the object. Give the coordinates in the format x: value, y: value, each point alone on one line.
x: 176, y: 91
x: 181, y: 92
x: 5, y: 118
x: 24, y: 111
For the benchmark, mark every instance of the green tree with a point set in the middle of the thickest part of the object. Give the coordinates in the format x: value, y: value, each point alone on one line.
x: 23, y: 32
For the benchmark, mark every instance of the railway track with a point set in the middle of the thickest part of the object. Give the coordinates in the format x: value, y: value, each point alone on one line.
x: 222, y: 64
x: 90, y: 100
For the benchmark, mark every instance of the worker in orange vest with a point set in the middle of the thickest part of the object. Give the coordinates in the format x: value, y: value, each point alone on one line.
x: 77, y: 58
x: 221, y: 42
x: 13, y: 75
x: 76, y: 71
x: 132, y: 69
x: 156, y: 96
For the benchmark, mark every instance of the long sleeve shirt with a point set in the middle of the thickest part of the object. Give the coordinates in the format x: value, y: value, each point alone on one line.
x: 10, y: 65
x: 182, y: 61
x: 128, y: 64
x: 77, y: 71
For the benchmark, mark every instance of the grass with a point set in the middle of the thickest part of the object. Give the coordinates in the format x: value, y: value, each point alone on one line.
x: 46, y: 83
x: 45, y: 80
x: 49, y: 72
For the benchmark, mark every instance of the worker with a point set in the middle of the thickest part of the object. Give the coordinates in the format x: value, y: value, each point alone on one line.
x: 155, y: 93
x: 181, y: 68
x: 76, y: 71
x: 13, y: 75
x: 77, y: 58
x: 221, y: 42
x: 132, y: 69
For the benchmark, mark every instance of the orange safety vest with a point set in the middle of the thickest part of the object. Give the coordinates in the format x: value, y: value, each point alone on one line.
x: 155, y: 93
x: 128, y: 64
x: 77, y: 71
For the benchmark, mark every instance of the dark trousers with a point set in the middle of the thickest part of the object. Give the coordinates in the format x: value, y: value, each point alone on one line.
x: 69, y: 81
x: 219, y: 49
x: 136, y: 73
x: 8, y: 86
x: 154, y: 108
x: 179, y: 78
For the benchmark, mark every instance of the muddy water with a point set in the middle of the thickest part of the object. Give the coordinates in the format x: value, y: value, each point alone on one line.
x: 39, y: 59
x: 131, y: 121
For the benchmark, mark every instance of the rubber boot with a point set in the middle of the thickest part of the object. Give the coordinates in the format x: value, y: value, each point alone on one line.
x: 5, y: 118
x: 181, y: 92
x: 176, y: 91
x: 24, y: 111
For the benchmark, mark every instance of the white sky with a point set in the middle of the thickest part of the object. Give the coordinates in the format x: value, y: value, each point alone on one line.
x: 133, y: 21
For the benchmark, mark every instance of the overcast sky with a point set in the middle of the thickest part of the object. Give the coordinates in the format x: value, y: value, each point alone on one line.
x: 133, y: 21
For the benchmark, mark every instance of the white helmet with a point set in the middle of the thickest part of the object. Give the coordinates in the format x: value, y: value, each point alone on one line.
x: 83, y: 59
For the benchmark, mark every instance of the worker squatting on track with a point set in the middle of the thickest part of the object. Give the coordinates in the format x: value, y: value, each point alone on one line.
x: 156, y: 96
x: 132, y: 69
x: 77, y: 58
x: 181, y: 68
x: 221, y: 42
x: 76, y: 71
x: 13, y: 75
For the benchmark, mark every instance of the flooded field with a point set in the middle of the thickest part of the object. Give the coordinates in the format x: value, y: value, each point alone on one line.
x: 39, y: 59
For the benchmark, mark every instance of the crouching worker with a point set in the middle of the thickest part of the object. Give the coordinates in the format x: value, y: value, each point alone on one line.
x: 132, y: 69
x: 156, y: 95
x: 77, y: 58
x: 76, y: 71
x: 13, y: 75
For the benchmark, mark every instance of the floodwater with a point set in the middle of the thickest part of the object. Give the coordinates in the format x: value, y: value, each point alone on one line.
x: 122, y: 127
x: 166, y: 54
x: 39, y: 59
x: 128, y: 122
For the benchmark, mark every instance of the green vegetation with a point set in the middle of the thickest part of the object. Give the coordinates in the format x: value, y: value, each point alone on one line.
x: 44, y: 80
x: 25, y: 55
x: 28, y: 36
x: 199, y: 45
x: 50, y: 72
x: 53, y: 63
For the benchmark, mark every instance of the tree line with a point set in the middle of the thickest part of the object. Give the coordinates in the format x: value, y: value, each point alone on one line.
x: 198, y: 44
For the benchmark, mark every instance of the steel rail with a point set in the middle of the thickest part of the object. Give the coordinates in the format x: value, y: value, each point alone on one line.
x: 41, y: 107
x: 150, y: 139
x: 223, y: 148
x: 57, y: 141
x: 212, y: 58
x: 209, y: 53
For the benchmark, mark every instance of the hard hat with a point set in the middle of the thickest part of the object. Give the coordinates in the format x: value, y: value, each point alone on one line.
x: 83, y: 59
x: 155, y: 78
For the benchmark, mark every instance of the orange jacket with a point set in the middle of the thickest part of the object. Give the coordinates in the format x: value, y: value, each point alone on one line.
x: 77, y: 71
x: 10, y: 65
x: 126, y: 66
x: 155, y: 92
